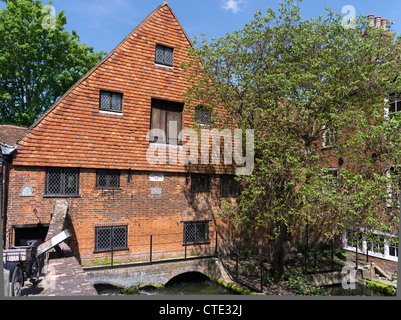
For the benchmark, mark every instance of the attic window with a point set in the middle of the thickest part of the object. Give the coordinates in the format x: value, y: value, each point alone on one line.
x: 203, y: 116
x: 111, y: 101
x: 164, y: 55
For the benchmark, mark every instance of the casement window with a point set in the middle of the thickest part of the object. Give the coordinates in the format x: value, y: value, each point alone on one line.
x: 164, y: 55
x: 329, y: 137
x: 330, y: 178
x: 393, y: 247
x: 353, y: 239
x: 107, y: 179
x: 200, y: 183
x: 395, y: 104
x: 111, y: 238
x: 196, y: 232
x: 376, y: 246
x: 62, y: 181
x: 203, y: 116
x: 167, y: 118
x: 229, y: 186
x: 111, y: 101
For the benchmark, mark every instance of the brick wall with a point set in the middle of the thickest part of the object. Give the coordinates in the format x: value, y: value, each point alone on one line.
x: 131, y: 205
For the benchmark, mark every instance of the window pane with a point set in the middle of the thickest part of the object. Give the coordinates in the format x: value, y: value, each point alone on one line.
x: 103, y: 238
x: 70, y: 181
x: 101, y: 178
x: 199, y: 183
x: 159, y: 54
x: 105, y: 100
x: 120, y: 237
x: 168, y: 56
x: 54, y: 181
x: 114, y: 179
x: 116, y: 104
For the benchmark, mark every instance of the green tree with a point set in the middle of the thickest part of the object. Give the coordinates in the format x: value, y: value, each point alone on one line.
x: 293, y: 80
x: 39, y: 60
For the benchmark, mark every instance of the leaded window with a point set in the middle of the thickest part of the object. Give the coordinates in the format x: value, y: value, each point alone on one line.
x: 200, y: 183
x: 111, y: 101
x: 111, y: 238
x: 203, y: 116
x: 164, y: 55
x: 107, y: 179
x: 229, y: 186
x: 196, y: 232
x: 62, y: 181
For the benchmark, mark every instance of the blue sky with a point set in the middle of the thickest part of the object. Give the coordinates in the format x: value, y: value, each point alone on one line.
x: 104, y: 23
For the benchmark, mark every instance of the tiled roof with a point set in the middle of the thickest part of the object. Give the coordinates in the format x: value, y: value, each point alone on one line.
x: 10, y: 134
x: 73, y: 133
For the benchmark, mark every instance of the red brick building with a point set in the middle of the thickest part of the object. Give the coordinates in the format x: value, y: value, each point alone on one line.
x: 91, y: 146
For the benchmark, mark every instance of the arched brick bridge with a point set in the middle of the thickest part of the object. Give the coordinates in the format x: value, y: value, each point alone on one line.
x: 159, y: 273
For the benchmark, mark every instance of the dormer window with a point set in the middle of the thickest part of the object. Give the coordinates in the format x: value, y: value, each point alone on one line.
x: 164, y: 55
x: 111, y: 101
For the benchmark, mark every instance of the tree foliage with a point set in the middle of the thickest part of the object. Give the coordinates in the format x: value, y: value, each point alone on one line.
x: 38, y: 61
x: 291, y: 80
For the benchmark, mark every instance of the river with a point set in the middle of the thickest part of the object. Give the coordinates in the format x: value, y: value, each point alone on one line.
x: 186, y: 284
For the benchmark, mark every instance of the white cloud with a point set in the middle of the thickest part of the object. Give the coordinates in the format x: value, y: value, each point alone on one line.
x: 234, y: 6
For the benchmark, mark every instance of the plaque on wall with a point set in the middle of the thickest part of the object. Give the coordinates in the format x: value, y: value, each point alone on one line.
x: 26, y: 191
x: 156, y: 177
x: 156, y: 191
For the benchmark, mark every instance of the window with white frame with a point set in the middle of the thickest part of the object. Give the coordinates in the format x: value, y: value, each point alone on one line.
x: 164, y: 55
x: 395, y: 104
x: 111, y: 101
x: 329, y: 137
x: 373, y: 243
x: 330, y: 178
x: 393, y: 247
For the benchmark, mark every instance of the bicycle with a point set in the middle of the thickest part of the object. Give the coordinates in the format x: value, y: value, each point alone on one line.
x: 24, y: 269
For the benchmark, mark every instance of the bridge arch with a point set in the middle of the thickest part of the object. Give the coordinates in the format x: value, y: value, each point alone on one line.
x: 187, y: 277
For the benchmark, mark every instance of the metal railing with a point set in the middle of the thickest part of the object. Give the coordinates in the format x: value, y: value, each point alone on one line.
x: 144, y: 249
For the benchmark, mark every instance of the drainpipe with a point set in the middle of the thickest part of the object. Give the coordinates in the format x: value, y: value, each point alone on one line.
x: 7, y: 152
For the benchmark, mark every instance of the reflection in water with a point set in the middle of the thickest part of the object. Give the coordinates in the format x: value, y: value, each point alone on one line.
x: 186, y: 284
x: 360, y: 290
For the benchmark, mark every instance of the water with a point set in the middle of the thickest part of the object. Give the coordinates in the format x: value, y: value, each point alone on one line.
x: 360, y: 290
x: 185, y: 284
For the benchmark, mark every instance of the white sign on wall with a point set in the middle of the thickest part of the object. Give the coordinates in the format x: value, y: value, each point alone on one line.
x: 156, y: 177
